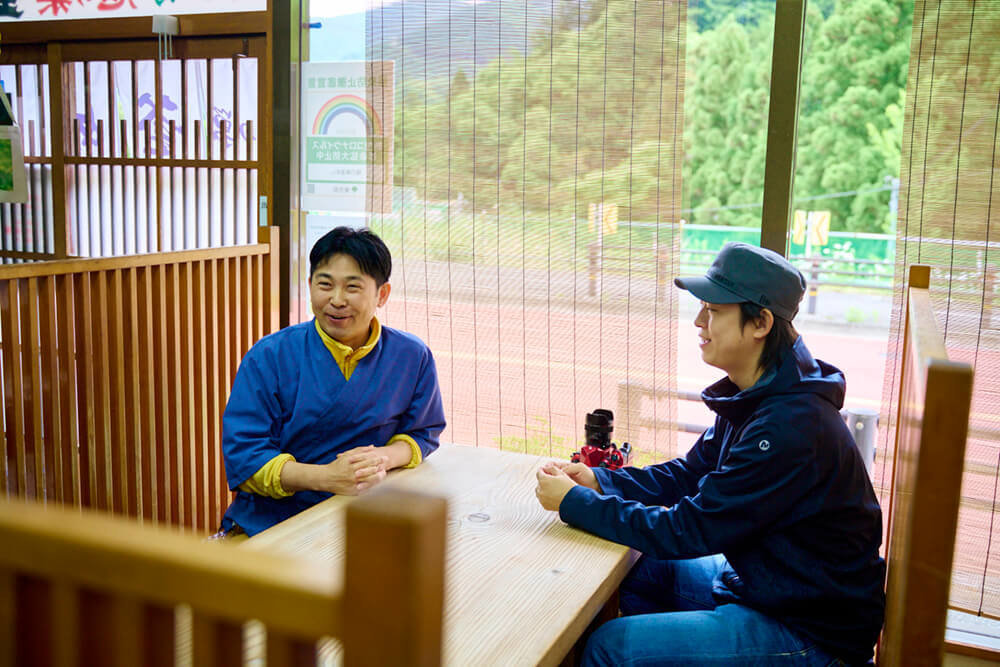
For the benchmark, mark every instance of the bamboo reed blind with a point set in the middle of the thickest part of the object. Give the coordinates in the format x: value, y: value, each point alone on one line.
x: 524, y: 257
x: 949, y: 219
x: 128, y: 154
x: 116, y: 372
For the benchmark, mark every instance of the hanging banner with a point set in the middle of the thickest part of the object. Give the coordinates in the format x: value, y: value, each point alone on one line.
x: 347, y: 136
x: 48, y: 10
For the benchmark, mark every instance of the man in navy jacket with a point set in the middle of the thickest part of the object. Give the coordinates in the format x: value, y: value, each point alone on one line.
x: 761, y: 544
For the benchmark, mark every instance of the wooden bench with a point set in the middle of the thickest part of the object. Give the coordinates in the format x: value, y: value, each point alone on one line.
x: 87, y: 588
x: 935, y: 396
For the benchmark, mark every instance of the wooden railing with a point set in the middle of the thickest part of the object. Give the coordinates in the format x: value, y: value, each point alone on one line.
x: 116, y: 372
x: 934, y: 402
x: 83, y: 589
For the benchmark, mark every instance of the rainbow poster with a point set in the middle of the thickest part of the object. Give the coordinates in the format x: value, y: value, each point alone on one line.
x: 351, y: 105
x: 347, y: 137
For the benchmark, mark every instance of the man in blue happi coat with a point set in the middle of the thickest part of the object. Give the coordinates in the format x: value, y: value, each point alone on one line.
x: 330, y: 405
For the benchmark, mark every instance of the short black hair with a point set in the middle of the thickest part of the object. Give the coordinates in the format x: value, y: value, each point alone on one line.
x: 367, y: 249
x: 780, y: 338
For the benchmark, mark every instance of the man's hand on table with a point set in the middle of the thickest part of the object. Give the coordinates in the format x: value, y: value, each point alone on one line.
x: 580, y: 473
x: 351, y: 473
x: 555, y: 479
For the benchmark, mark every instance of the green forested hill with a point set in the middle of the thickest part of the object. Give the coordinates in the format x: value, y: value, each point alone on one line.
x: 571, y: 105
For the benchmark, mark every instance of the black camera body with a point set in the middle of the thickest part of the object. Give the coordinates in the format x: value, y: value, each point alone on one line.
x: 598, y: 450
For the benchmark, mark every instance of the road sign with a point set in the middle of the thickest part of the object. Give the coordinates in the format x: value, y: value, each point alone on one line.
x: 811, y: 228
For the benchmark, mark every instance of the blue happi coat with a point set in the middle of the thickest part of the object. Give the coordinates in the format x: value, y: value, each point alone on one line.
x: 290, y: 396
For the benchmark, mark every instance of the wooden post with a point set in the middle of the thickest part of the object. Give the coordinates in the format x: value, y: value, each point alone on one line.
x: 58, y: 120
x: 782, y: 121
x: 394, y: 579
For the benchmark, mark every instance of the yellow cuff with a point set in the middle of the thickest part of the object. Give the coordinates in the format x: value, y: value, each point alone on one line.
x: 416, y: 456
x: 267, y: 480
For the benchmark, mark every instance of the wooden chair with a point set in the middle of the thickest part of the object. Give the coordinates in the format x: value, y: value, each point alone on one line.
x: 86, y: 588
x: 935, y: 395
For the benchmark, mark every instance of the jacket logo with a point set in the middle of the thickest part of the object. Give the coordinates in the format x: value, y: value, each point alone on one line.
x: 764, y: 445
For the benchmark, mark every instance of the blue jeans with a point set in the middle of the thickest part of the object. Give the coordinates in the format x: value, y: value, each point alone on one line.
x: 670, y: 618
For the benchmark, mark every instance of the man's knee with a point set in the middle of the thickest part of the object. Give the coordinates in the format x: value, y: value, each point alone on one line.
x: 607, y: 645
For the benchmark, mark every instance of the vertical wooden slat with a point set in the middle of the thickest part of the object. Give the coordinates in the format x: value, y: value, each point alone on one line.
x: 216, y: 403
x: 236, y: 106
x: 24, y: 438
x: 259, y: 305
x: 125, y: 177
x: 160, y: 481
x: 236, y: 316
x: 228, y: 230
x: 102, y: 394
x: 272, y: 288
x: 251, y: 207
x: 78, y: 173
x: 34, y: 463
x: 57, y: 123
x: 111, y: 108
x: 285, y: 651
x: 87, y: 110
x: 197, y: 185
x: 40, y: 104
x: 13, y: 395
x: 209, y: 143
x: 69, y: 389
x: 65, y: 623
x: 131, y: 444
x: 32, y: 621
x: 158, y: 635
x: 200, y: 442
x: 103, y: 242
x: 51, y: 390
x: 134, y: 110
x: 8, y: 633
x: 225, y: 322
x: 150, y: 416
x: 152, y: 198
x: 96, y: 626
x: 169, y: 176
x: 117, y: 463
x: 174, y: 459
x: 85, y: 395
x: 128, y: 622
x: 246, y: 305
x: 215, y: 642
x: 187, y: 444
x: 225, y: 344
x: 158, y: 108
x: 209, y: 107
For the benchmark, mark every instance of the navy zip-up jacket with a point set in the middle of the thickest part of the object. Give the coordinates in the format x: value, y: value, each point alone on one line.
x: 777, y: 486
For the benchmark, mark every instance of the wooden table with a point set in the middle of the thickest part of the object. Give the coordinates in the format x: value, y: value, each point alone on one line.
x: 521, y: 586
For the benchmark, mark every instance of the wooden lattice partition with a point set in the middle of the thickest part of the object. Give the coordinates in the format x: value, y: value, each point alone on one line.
x: 116, y: 372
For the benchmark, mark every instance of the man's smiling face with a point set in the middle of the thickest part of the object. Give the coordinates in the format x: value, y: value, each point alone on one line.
x: 344, y: 299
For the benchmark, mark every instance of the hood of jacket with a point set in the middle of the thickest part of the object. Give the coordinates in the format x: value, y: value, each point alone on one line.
x: 795, y: 373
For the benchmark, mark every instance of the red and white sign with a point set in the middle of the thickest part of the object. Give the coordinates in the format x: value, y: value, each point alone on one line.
x: 48, y: 10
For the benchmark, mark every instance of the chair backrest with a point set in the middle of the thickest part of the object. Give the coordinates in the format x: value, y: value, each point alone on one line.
x: 116, y: 372
x: 78, y: 587
x: 935, y: 395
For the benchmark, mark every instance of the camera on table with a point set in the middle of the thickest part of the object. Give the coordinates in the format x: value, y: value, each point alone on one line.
x: 598, y: 451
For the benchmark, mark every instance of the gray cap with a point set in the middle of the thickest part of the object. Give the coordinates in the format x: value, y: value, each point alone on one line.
x: 743, y: 272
